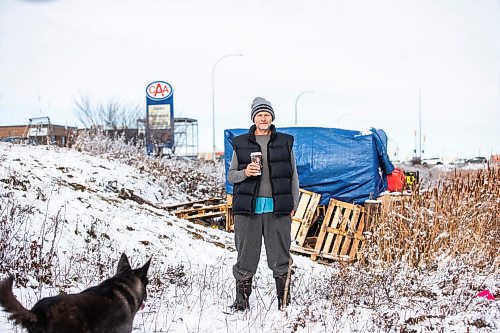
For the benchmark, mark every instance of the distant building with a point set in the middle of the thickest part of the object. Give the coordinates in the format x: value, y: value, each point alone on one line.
x: 40, y: 133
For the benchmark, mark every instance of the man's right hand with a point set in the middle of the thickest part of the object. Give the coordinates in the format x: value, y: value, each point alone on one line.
x: 252, y: 169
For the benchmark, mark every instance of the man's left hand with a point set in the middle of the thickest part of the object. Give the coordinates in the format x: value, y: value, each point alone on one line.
x: 292, y: 213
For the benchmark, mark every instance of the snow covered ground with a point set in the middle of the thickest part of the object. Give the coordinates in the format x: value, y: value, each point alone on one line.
x: 69, y: 227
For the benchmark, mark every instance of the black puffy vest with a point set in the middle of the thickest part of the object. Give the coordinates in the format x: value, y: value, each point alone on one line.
x: 279, y: 151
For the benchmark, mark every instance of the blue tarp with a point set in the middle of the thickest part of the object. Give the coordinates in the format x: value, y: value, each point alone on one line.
x: 347, y: 165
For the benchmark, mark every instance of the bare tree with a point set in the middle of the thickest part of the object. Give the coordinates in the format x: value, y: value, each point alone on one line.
x: 129, y: 119
x: 85, y: 112
x: 110, y: 115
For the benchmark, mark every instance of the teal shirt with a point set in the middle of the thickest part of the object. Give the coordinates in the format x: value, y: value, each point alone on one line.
x: 264, y: 205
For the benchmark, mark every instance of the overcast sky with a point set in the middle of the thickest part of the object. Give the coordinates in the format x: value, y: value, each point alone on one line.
x: 364, y: 60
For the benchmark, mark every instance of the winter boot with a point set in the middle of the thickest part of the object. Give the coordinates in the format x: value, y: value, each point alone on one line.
x: 243, y: 291
x: 280, y: 290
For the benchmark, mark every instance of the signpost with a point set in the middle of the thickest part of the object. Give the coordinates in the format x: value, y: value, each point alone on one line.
x: 159, y: 118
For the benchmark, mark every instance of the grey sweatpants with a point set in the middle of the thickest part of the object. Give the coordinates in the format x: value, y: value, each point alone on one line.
x: 248, y: 233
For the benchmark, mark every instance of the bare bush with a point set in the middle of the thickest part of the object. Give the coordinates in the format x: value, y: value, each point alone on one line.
x: 22, y: 252
x: 198, y: 179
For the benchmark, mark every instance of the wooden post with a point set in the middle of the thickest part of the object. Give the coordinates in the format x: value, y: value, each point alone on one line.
x: 372, y: 213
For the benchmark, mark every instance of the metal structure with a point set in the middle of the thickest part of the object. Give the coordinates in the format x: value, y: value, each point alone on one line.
x: 39, y: 129
x: 186, y: 137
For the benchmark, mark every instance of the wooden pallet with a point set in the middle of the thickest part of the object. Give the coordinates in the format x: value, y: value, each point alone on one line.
x: 193, y: 204
x: 341, y: 234
x: 305, y: 216
x: 202, y: 212
x: 229, y: 222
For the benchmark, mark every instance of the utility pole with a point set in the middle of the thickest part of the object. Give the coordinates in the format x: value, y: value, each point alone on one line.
x: 420, y: 124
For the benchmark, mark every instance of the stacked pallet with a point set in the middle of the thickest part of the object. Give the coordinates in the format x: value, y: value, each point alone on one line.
x: 211, y: 212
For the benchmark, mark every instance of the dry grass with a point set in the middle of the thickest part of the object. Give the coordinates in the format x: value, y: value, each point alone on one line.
x: 458, y: 217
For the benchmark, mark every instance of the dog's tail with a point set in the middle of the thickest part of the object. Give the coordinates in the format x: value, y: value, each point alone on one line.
x: 9, y: 302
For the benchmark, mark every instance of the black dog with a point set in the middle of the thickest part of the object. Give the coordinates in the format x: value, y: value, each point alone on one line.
x: 109, y: 307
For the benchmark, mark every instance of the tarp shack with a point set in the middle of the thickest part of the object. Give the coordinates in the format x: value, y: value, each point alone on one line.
x: 350, y: 166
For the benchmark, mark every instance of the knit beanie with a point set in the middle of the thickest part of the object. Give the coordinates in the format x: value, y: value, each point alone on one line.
x: 260, y: 104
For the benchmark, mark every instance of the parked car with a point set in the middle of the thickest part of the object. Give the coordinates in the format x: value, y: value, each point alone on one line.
x: 477, y: 159
x: 12, y: 139
x: 432, y: 161
x: 459, y: 162
x: 19, y: 140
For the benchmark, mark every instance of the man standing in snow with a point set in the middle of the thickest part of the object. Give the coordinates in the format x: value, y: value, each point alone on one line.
x: 265, y: 197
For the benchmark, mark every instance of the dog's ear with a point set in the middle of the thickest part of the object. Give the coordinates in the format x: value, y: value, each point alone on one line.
x: 123, y: 264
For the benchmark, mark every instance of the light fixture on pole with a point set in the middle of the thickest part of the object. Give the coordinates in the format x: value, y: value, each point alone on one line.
x: 213, y: 99
x: 342, y: 116
x: 297, y: 100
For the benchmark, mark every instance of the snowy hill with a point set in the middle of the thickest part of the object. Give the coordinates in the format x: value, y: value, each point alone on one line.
x: 64, y: 225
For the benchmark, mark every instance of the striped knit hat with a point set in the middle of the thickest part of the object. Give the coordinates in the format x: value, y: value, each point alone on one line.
x: 260, y: 104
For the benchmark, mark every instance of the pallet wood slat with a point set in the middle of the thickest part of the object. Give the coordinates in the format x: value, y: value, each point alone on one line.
x: 351, y: 229
x: 201, y: 215
x: 358, y: 237
x: 322, y: 233
x: 302, y: 249
x: 342, y: 233
x: 305, y: 215
x: 343, y: 226
x: 229, y: 221
x: 208, y: 208
x: 201, y: 212
x: 299, y: 214
x: 336, y: 221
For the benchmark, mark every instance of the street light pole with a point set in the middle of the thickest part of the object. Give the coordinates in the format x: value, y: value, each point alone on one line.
x: 420, y: 124
x: 297, y: 100
x: 342, y: 116
x: 213, y: 99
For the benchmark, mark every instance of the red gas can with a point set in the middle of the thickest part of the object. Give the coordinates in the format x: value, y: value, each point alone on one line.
x: 396, y: 180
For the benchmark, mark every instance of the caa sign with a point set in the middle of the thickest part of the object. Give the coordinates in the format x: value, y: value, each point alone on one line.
x: 159, y: 115
x: 159, y: 90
